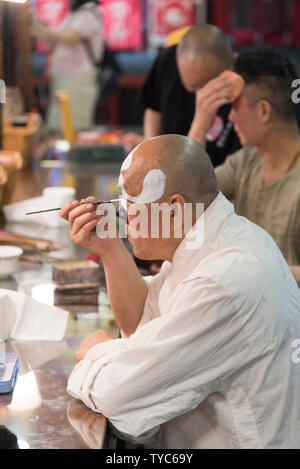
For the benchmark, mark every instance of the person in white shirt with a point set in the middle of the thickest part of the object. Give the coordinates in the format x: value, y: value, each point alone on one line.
x: 208, y: 354
x: 71, y: 67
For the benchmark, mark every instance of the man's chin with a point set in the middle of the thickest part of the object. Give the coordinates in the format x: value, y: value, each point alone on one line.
x: 139, y: 252
x: 242, y: 139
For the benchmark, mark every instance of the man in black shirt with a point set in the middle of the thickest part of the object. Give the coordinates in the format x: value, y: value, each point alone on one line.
x: 184, y: 94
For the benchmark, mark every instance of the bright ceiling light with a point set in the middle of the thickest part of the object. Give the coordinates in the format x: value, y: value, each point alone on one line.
x: 16, y: 1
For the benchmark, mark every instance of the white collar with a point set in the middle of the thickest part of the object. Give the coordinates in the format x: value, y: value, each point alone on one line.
x: 212, y: 219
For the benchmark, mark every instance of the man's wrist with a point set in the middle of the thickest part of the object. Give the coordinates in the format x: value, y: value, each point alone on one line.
x: 198, y: 132
x: 112, y: 252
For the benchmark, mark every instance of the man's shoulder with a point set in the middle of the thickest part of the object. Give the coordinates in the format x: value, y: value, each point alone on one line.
x: 222, y: 264
x: 247, y: 153
x: 165, y: 65
x: 244, y: 159
x: 168, y: 55
x: 241, y: 252
x: 163, y: 72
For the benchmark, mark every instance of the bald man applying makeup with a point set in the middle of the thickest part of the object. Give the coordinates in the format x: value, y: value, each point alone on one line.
x: 204, y: 341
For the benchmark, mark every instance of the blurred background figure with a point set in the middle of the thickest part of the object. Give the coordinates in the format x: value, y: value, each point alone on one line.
x: 182, y: 76
x: 71, y: 67
x: 262, y: 176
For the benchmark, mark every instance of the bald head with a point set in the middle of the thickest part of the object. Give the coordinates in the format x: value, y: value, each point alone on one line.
x: 206, y: 39
x: 202, y: 55
x: 180, y: 162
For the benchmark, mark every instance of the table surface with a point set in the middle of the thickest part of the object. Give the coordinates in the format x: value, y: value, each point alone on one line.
x: 40, y: 413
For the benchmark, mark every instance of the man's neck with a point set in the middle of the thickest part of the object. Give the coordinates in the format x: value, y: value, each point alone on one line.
x: 195, y: 217
x: 279, y: 148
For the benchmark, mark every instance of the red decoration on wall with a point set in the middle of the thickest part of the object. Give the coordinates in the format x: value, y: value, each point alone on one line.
x: 256, y: 22
x: 169, y: 15
x: 122, y: 24
x: 51, y: 12
x: 166, y: 16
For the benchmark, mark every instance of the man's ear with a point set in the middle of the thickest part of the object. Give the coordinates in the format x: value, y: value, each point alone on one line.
x: 264, y: 109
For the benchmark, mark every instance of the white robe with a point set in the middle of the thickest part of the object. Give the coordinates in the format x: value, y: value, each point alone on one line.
x: 210, y: 365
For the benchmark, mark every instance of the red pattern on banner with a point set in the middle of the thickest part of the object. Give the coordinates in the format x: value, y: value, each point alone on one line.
x: 169, y: 15
x: 274, y: 22
x: 52, y: 13
x: 122, y: 24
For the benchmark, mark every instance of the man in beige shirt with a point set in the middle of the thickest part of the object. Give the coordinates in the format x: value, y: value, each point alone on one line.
x: 263, y: 178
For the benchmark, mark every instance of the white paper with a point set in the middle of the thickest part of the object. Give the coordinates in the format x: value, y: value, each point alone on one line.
x: 53, y: 197
x: 23, y: 318
x: 7, y: 317
x: 16, y: 212
x: 33, y: 354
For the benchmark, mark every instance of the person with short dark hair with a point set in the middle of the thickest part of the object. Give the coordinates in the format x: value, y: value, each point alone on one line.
x: 176, y: 89
x: 263, y: 177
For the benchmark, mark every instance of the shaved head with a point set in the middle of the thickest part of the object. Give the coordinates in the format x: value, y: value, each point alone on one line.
x: 175, y: 173
x: 202, y: 55
x: 208, y: 40
x: 187, y: 168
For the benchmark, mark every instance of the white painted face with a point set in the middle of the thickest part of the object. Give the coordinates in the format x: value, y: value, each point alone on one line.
x: 153, y: 184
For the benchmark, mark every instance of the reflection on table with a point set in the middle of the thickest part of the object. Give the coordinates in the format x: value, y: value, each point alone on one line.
x: 39, y: 412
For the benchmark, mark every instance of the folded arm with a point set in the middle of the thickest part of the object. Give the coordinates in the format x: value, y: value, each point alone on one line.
x: 167, y: 367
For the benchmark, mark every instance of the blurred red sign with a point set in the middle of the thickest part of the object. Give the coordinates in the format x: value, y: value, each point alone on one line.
x: 122, y: 24
x: 169, y: 15
x: 51, y: 12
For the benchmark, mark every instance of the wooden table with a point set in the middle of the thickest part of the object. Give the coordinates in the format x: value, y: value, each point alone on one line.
x: 40, y: 412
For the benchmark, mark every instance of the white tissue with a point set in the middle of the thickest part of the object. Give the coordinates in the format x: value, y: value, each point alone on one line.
x: 22, y: 318
x: 53, y: 197
x: 17, y: 212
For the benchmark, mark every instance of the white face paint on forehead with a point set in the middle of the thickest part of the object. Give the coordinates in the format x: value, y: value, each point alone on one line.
x: 127, y: 162
x: 153, y: 187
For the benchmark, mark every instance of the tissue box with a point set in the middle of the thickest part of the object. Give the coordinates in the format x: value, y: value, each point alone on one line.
x: 23, y: 318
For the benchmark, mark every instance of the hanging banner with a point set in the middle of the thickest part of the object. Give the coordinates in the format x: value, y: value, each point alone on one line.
x: 165, y: 16
x: 122, y: 24
x: 51, y: 12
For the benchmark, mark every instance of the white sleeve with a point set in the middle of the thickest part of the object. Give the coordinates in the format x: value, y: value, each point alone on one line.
x: 168, y: 366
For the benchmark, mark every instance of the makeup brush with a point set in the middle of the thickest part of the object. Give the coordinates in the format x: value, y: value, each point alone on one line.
x: 93, y: 203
